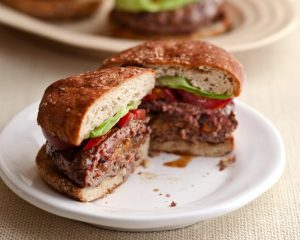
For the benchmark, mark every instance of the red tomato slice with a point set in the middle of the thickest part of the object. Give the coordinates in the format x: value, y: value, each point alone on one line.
x: 139, y: 114
x: 203, y: 101
x: 169, y: 95
x: 125, y: 120
x: 92, y: 142
x: 216, y: 104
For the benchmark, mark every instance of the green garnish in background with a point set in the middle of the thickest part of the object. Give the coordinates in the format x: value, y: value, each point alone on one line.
x: 151, y: 5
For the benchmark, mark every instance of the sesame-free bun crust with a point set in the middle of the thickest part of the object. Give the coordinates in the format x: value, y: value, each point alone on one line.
x: 194, y: 148
x: 71, y: 108
x: 207, y: 66
x: 55, y: 9
x: 62, y: 184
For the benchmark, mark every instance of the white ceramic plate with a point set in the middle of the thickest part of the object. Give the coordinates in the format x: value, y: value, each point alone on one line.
x: 256, y: 23
x: 200, y: 190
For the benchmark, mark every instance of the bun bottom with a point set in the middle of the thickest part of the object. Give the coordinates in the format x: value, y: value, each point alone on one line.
x: 62, y: 184
x: 55, y: 9
x: 197, y: 148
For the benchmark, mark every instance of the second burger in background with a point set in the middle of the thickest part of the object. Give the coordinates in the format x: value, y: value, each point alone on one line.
x: 168, y: 17
x: 191, y: 107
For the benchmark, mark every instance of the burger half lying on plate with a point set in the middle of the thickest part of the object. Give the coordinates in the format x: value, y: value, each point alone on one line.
x: 96, y: 133
x: 168, y: 17
x: 191, y: 107
x: 55, y: 9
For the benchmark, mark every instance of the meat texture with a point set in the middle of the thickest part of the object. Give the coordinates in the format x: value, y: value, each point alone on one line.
x: 185, y: 121
x: 118, y: 151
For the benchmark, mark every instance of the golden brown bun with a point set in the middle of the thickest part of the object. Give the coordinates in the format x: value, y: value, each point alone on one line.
x: 222, y: 72
x: 63, y: 185
x: 197, y: 148
x: 55, y: 9
x: 71, y: 108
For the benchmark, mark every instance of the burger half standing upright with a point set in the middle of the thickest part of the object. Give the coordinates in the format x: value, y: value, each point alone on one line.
x: 191, y: 106
x: 96, y: 135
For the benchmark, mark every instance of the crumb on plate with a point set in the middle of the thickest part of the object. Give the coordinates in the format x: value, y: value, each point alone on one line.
x: 226, y: 162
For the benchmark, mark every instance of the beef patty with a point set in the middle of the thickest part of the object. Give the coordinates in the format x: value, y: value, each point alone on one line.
x: 186, y: 19
x: 184, y: 121
x: 118, y: 151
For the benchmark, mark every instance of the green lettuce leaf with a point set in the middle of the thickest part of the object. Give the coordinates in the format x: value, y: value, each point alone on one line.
x: 108, y: 124
x: 150, y: 5
x: 183, y: 84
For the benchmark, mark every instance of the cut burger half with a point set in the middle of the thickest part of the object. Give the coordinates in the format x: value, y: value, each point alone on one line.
x: 191, y: 106
x: 96, y: 132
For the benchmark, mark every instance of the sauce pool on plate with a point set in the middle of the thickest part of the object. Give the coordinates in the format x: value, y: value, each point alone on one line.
x: 181, y: 162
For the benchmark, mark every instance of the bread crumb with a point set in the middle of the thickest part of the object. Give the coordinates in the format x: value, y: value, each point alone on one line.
x: 226, y: 162
x: 155, y: 189
x: 146, y: 163
x: 173, y: 204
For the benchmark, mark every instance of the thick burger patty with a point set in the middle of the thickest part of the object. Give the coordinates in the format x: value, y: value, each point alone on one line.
x: 118, y: 151
x: 184, y: 121
x: 186, y: 19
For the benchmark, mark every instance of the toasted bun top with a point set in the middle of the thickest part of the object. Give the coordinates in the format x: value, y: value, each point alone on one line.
x: 71, y: 108
x: 206, y: 65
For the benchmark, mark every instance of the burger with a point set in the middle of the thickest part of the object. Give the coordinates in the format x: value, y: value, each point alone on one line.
x: 150, y: 18
x: 96, y: 133
x: 192, y: 105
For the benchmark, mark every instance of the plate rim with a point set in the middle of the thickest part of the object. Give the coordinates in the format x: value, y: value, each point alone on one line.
x: 58, y: 34
x: 231, y: 204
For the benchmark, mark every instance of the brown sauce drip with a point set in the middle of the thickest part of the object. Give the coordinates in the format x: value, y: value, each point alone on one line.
x: 181, y: 162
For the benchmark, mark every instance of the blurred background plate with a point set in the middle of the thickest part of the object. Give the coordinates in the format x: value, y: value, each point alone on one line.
x: 256, y: 23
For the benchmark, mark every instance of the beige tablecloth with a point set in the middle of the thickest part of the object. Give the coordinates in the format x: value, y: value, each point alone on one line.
x: 28, y: 65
